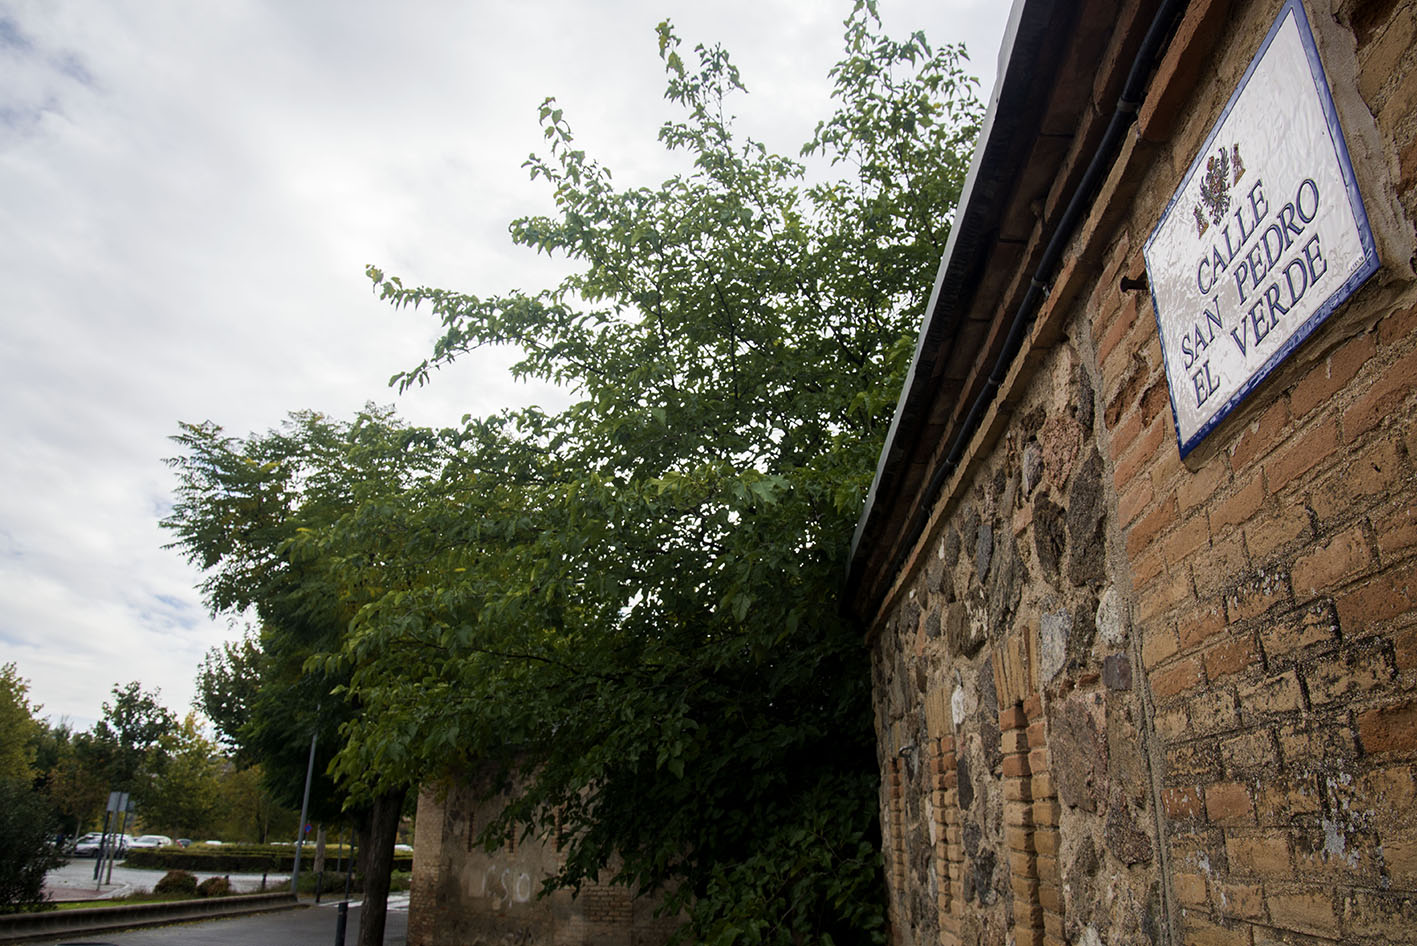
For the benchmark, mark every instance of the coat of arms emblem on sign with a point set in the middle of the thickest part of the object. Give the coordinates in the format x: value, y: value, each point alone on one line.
x: 1215, y: 187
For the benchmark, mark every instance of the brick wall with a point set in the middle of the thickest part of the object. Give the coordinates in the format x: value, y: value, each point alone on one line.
x: 1123, y: 698
x: 463, y: 895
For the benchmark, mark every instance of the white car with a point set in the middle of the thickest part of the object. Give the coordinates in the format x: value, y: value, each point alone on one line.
x: 88, y: 845
x: 151, y: 841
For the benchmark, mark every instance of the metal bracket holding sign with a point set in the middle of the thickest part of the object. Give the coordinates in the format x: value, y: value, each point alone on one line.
x: 1263, y: 240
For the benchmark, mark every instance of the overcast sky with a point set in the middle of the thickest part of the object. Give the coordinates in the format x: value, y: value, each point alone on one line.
x: 189, y: 194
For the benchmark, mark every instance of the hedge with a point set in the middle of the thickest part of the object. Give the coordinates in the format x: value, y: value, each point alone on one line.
x: 238, y: 860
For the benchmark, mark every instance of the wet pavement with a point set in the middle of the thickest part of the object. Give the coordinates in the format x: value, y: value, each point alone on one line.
x: 308, y: 925
x: 74, y: 881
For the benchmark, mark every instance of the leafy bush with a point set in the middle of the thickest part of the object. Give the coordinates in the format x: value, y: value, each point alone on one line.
x: 214, y: 887
x: 178, y: 882
x: 26, y: 849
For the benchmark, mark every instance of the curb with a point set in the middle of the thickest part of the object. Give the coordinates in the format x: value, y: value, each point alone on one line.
x: 21, y: 927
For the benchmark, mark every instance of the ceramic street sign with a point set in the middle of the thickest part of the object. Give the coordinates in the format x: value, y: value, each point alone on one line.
x: 1265, y: 237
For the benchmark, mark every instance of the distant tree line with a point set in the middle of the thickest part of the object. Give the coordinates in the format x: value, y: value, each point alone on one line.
x: 55, y: 782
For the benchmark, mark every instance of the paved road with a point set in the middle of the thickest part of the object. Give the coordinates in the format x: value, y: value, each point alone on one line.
x: 303, y: 926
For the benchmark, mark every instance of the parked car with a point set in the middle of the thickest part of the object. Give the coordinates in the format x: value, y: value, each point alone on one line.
x: 151, y: 841
x: 184, y: 842
x: 87, y: 846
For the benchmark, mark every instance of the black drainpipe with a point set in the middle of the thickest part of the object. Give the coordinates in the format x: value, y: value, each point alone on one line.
x: 1157, y: 36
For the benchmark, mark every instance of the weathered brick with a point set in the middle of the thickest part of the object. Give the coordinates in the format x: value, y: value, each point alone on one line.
x: 1184, y: 674
x: 1231, y: 656
x: 1202, y: 932
x: 1158, y: 644
x: 1398, y: 326
x: 1162, y: 595
x: 1400, y: 859
x: 1404, y: 648
x: 1280, y: 694
x: 1242, y: 901
x: 1396, y: 530
x: 1146, y: 568
x: 1392, y: 788
x: 1139, y: 454
x: 1197, y: 625
x: 1370, y: 470
x: 1316, y: 623
x: 1307, y: 451
x: 1261, y: 855
x: 1390, y: 593
x: 1342, y: 557
x: 1384, y: 918
x: 1213, y: 710
x: 1216, y: 569
x: 1279, y: 527
x: 1201, y: 485
x: 1190, y: 536
x: 1193, y: 761
x: 1304, y: 910
x: 1344, y: 674
x: 1172, y: 724
x: 1190, y: 889
x: 1182, y: 801
x: 1117, y: 329
x: 1249, y: 751
x: 1382, y: 399
x: 1277, y: 804
x: 1145, y: 529
x: 1307, y: 743
x: 1330, y: 375
x: 1228, y: 802
x: 1389, y: 728
x: 1134, y: 499
x: 1239, y: 506
x: 1262, y: 434
x: 1257, y: 594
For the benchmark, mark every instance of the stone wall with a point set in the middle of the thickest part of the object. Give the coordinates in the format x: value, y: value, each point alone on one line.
x: 463, y: 895
x: 1123, y: 698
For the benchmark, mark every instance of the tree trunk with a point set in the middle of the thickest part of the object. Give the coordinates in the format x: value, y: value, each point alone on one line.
x: 320, y: 850
x: 378, y: 861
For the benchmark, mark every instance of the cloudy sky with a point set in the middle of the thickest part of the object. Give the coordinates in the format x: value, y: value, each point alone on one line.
x: 189, y: 193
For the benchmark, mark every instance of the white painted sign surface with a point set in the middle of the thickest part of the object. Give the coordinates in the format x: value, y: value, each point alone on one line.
x: 1265, y: 237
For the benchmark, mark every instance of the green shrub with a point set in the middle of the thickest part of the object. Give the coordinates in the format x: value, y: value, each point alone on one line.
x: 26, y: 851
x: 178, y: 882
x: 214, y: 887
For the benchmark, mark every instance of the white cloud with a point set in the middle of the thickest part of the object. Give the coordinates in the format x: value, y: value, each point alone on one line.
x: 188, y: 196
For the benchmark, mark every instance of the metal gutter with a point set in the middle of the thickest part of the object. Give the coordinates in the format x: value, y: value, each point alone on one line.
x: 1153, y: 45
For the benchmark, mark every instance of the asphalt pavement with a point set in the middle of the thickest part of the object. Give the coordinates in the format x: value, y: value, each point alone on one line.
x: 308, y: 925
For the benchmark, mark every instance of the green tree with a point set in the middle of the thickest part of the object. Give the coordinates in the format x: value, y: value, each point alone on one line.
x: 242, y: 510
x: 248, y: 811
x: 18, y: 728
x: 27, y: 851
x: 630, y: 606
x: 26, y: 823
x: 76, y: 790
x: 186, y: 798
x: 228, y: 683
x: 126, y: 743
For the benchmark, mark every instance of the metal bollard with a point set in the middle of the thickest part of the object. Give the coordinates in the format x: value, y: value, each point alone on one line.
x: 340, y: 923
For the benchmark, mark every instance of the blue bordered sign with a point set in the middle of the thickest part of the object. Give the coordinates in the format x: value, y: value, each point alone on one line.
x: 1264, y: 238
